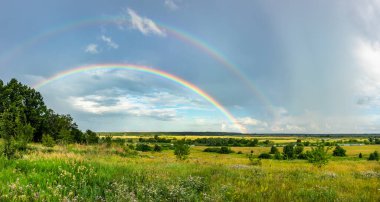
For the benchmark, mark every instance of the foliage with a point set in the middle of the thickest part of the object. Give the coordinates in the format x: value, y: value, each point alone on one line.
x: 143, y: 147
x: 374, y: 156
x: 157, y: 148
x: 47, y: 140
x: 273, y: 150
x: 221, y: 150
x: 264, y: 156
x: 181, y: 149
x: 360, y: 155
x: 288, y: 151
x: 91, y: 137
x: 339, y: 151
x: 318, y: 155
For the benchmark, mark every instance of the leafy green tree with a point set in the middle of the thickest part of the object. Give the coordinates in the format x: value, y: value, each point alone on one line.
x: 288, y: 151
x: 181, y: 150
x: 65, y: 137
x: 318, y: 155
x: 91, y: 137
x: 298, y: 149
x: 339, y: 151
x: 273, y: 150
x: 374, y: 156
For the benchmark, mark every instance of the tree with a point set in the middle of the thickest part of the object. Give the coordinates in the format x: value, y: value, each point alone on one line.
x: 298, y: 149
x: 91, y: 137
x: 157, y: 148
x: 273, y: 150
x: 318, y: 155
x: 288, y: 151
x: 339, y: 151
x: 181, y: 150
x: 373, y: 156
x: 15, y: 132
x: 360, y: 155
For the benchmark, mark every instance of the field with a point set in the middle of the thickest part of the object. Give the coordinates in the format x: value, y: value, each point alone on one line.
x: 111, y: 173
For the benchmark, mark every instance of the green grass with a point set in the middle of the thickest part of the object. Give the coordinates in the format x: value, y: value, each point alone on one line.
x: 98, y: 173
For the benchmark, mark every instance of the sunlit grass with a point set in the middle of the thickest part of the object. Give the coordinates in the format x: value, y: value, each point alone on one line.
x: 98, y: 172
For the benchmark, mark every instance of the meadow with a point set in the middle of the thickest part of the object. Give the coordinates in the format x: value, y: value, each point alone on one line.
x: 114, y: 172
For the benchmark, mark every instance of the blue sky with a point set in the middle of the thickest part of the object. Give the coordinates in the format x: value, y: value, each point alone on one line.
x: 315, y: 65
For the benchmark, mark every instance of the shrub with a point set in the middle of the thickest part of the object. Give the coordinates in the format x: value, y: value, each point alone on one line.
x: 273, y: 150
x: 157, y: 148
x: 181, y: 150
x: 318, y: 155
x: 360, y: 155
x: 288, y: 151
x: 339, y: 151
x: 225, y: 150
x: 143, y: 147
x: 91, y: 137
x: 108, y: 140
x: 212, y: 149
x: 264, y: 156
x: 239, y: 152
x: 374, y: 156
x: 47, y: 140
x: 254, y: 161
x: 278, y: 156
x: 298, y: 149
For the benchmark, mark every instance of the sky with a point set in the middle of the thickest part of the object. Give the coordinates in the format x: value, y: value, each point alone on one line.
x: 263, y: 66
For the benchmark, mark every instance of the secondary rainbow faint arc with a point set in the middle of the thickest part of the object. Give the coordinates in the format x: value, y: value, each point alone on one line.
x: 140, y: 68
x: 181, y: 35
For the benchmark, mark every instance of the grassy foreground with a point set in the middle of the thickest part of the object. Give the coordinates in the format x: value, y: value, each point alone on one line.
x: 100, y: 173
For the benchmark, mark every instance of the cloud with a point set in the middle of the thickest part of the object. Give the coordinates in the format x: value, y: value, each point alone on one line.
x: 143, y: 24
x: 171, y: 4
x: 92, y: 49
x: 109, y: 42
x: 97, y: 104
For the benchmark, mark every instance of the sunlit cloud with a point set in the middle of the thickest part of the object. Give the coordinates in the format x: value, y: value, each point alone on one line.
x: 143, y: 24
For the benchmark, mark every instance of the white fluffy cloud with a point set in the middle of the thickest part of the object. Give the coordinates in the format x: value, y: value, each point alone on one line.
x: 143, y: 24
x: 92, y: 48
x: 110, y: 43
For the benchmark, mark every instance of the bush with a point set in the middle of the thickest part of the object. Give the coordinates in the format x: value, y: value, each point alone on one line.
x: 298, y: 150
x: 225, y: 150
x: 181, y: 150
x: 143, y: 147
x: 47, y: 140
x: 374, y: 156
x: 339, y: 151
x: 157, y: 148
x: 264, y: 156
x: 91, y: 137
x: 273, y: 150
x: 360, y: 155
x: 288, y: 151
x: 212, y: 149
x: 318, y: 155
x: 239, y: 152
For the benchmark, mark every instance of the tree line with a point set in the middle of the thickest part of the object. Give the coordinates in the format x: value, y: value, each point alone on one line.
x: 24, y: 117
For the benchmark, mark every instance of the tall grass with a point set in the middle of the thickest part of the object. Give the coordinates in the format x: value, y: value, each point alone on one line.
x: 98, y: 173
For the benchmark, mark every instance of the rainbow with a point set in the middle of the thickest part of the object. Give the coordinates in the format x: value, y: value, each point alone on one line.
x: 160, y: 73
x: 176, y: 33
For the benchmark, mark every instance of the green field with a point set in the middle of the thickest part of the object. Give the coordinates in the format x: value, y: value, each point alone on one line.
x: 111, y: 173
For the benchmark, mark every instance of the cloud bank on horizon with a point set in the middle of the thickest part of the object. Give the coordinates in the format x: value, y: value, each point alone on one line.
x: 318, y: 63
